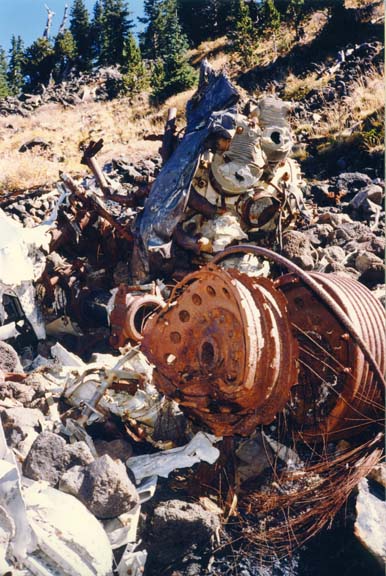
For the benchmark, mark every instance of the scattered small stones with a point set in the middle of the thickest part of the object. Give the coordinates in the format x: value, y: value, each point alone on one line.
x: 98, y: 86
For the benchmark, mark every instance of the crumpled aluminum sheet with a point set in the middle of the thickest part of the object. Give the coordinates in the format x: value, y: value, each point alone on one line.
x: 222, y: 230
x: 169, y: 194
x: 200, y: 448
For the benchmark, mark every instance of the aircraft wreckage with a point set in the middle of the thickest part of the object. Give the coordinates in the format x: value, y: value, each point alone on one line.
x: 239, y: 336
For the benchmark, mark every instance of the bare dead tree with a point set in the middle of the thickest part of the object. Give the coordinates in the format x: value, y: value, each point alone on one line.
x: 50, y: 15
x: 64, y: 20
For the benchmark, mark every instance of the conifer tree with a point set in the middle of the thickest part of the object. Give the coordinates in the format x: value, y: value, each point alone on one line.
x: 4, y: 88
x: 244, y: 36
x: 65, y: 53
x: 271, y: 16
x: 15, y: 66
x: 295, y: 12
x: 97, y: 32
x: 39, y: 62
x: 207, y: 19
x: 135, y: 74
x: 80, y: 28
x: 149, y: 39
x: 115, y: 28
x: 199, y: 19
x: 172, y: 73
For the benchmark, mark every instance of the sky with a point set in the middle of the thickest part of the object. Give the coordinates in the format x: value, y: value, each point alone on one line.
x: 27, y: 18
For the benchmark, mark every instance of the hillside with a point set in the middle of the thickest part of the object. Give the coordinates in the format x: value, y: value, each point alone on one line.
x: 338, y: 105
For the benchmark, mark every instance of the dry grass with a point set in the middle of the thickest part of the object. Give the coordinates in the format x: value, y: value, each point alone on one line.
x: 374, y: 9
x: 366, y: 98
x: 213, y: 50
x: 297, y: 88
x: 124, y: 126
x: 352, y: 126
x: 360, y: 3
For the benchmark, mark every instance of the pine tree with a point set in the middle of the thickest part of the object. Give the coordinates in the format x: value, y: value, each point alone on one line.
x: 65, y: 53
x: 39, y: 63
x: 97, y: 32
x: 80, y: 28
x: 15, y: 66
x: 244, y: 36
x: 135, y: 74
x: 271, y: 16
x: 115, y: 28
x: 202, y: 12
x: 207, y: 19
x: 4, y: 88
x: 295, y: 11
x: 148, y: 39
x: 172, y: 73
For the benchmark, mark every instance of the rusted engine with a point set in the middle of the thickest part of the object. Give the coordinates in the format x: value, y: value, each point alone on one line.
x: 244, y: 182
x: 234, y: 351
x: 224, y: 349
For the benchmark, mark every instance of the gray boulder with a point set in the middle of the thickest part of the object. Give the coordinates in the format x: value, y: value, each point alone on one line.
x: 370, y: 525
x: 372, y: 193
x: 9, y: 360
x: 297, y: 248
x: 103, y: 486
x: 254, y: 456
x: 50, y: 457
x: 371, y: 267
x: 353, y: 181
x: 118, y: 449
x: 179, y: 527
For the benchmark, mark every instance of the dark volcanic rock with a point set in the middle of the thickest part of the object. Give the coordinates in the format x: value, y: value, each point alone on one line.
x: 371, y: 267
x: 179, y: 527
x: 103, y: 486
x: 297, y: 248
x: 353, y: 181
x: 34, y: 143
x: 117, y: 449
x: 321, y: 194
x: 50, y: 457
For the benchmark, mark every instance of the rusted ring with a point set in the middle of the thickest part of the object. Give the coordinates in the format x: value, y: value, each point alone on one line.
x: 317, y: 289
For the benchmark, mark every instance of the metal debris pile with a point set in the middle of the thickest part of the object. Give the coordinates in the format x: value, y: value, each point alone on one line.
x: 167, y: 320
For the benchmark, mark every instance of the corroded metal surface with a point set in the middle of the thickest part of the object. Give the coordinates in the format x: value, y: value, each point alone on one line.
x: 328, y: 300
x: 337, y: 393
x: 227, y: 348
x: 223, y: 349
x: 130, y: 314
